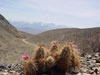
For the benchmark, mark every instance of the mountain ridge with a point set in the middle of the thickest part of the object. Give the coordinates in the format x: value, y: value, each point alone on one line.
x: 36, y: 27
x: 7, y: 27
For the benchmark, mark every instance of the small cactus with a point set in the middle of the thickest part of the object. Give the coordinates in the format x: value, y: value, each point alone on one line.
x: 50, y: 61
x: 54, y: 48
x: 64, y: 62
x: 65, y: 53
x: 29, y: 68
x: 40, y: 58
x: 68, y: 58
x: 75, y: 59
x: 40, y: 53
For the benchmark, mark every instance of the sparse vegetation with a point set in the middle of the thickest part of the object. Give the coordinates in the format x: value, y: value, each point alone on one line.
x: 87, y: 39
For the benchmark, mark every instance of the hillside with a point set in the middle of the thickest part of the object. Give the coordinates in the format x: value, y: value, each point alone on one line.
x: 87, y: 39
x: 6, y: 29
x: 12, y: 46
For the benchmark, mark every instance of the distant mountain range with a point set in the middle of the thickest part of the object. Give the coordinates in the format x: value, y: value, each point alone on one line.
x: 36, y: 27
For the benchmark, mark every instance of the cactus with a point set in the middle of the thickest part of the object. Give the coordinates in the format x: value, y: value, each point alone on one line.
x: 40, y: 53
x: 75, y: 59
x: 64, y: 62
x: 50, y: 62
x: 58, y: 58
x: 29, y: 68
x: 65, y: 53
x: 68, y: 58
x: 54, y: 48
x: 40, y: 58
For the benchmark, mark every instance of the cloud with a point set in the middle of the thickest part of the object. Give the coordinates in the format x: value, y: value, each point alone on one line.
x: 76, y: 13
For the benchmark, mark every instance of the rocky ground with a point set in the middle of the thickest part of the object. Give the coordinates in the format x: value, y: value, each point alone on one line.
x: 90, y: 65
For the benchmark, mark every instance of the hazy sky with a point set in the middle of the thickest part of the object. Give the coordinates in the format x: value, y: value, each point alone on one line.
x: 75, y: 13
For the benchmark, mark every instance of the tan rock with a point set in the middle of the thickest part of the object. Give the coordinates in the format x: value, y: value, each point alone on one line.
x: 98, y: 60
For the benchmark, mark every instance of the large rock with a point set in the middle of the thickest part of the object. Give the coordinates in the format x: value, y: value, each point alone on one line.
x: 2, y: 67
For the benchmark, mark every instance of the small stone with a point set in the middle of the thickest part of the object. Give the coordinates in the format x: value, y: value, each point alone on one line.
x: 89, y: 56
x: 96, y: 55
x: 89, y: 71
x: 98, y: 60
x: 97, y: 68
x: 97, y: 64
x: 85, y: 74
x: 74, y: 70
x: 9, y: 66
x: 83, y: 70
x: 79, y: 73
x: 93, y: 61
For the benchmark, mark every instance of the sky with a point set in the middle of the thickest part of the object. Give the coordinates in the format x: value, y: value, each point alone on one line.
x: 73, y: 13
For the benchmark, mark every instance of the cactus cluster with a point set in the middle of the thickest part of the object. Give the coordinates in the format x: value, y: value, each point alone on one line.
x: 59, y: 58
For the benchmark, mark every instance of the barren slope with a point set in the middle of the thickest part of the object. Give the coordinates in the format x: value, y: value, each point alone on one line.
x: 87, y: 39
x: 11, y: 45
